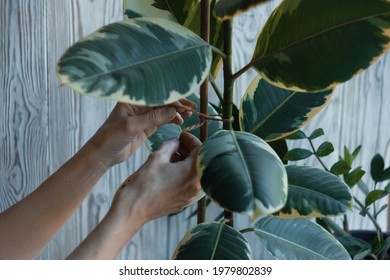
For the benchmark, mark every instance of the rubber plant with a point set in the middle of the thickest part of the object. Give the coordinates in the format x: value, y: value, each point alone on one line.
x: 165, y: 49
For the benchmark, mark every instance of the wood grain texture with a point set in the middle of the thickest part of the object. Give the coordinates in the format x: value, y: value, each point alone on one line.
x: 43, y: 124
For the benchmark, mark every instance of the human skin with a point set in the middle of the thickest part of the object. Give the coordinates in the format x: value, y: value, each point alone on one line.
x: 164, y: 184
x: 27, y: 226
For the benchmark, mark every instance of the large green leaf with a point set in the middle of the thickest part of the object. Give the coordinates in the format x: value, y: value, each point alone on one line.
x: 315, y: 192
x: 298, y: 239
x: 145, y: 61
x: 242, y: 173
x: 273, y: 113
x: 147, y: 8
x: 184, y: 12
x: 213, y: 241
x: 226, y: 9
x: 309, y: 45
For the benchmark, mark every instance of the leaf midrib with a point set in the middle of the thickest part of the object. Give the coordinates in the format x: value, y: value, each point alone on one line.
x: 277, y: 237
x: 242, y: 160
x: 139, y: 63
x: 217, y: 241
x: 273, y: 112
x: 264, y: 57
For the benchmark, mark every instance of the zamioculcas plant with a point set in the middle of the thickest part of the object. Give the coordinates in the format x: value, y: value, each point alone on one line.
x: 307, y: 47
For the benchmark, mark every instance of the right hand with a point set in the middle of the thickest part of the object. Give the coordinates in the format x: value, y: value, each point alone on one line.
x: 166, y: 183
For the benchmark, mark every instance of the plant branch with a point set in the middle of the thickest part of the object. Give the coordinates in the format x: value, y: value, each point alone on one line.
x: 241, y: 71
x: 245, y: 230
x: 314, y: 152
x: 227, y: 105
x: 373, y: 220
x: 218, y: 51
x: 218, y: 92
x: 204, y: 102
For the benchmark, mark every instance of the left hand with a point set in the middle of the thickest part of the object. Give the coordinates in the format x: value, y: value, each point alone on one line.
x: 128, y: 126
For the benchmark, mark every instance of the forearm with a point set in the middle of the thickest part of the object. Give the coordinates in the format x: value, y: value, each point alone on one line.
x: 107, y: 239
x: 30, y: 224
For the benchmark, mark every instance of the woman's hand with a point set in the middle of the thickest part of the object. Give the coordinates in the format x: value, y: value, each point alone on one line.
x: 128, y: 126
x: 166, y: 183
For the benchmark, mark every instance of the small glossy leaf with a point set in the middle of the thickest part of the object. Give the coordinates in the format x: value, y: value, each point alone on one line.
x: 377, y: 167
x: 387, y: 188
x: 383, y: 207
x: 328, y: 32
x: 213, y: 241
x: 226, y: 9
x: 242, y: 173
x: 316, y: 133
x: 315, y: 192
x: 356, y: 151
x: 298, y: 135
x: 348, y: 157
x: 340, y: 167
x: 352, y: 178
x: 385, y: 175
x: 298, y: 239
x: 163, y: 134
x: 297, y: 154
x: 375, y: 195
x: 325, y: 149
x: 273, y: 113
x: 144, y: 61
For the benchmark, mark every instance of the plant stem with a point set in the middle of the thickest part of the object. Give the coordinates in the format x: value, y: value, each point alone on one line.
x: 314, y: 152
x: 373, y: 220
x: 242, y: 71
x: 204, y: 102
x: 216, y: 88
x: 245, y: 230
x: 218, y: 51
x: 227, y: 105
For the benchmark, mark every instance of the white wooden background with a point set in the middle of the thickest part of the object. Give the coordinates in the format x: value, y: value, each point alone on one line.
x: 42, y: 124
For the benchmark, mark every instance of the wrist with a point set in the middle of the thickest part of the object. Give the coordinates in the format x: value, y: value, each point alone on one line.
x: 97, y: 153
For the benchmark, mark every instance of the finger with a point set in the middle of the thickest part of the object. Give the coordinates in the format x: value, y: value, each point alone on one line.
x: 152, y: 119
x: 178, y: 119
x: 189, y: 141
x: 167, y: 150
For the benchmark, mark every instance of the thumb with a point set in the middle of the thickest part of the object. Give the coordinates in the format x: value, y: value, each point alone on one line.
x: 154, y: 118
x: 168, y: 149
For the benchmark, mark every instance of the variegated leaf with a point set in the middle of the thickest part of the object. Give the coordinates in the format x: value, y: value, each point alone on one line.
x: 312, y: 45
x: 242, y: 173
x: 226, y: 9
x: 145, y: 61
x: 146, y: 8
x: 298, y: 239
x: 184, y: 12
x: 315, y: 192
x: 273, y: 113
x: 163, y: 134
x: 213, y: 241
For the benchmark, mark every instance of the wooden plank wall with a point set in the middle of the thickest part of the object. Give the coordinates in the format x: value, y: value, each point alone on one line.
x: 43, y: 124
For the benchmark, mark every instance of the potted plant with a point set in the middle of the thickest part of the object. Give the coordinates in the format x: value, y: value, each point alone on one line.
x: 157, y: 56
x: 361, y: 244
